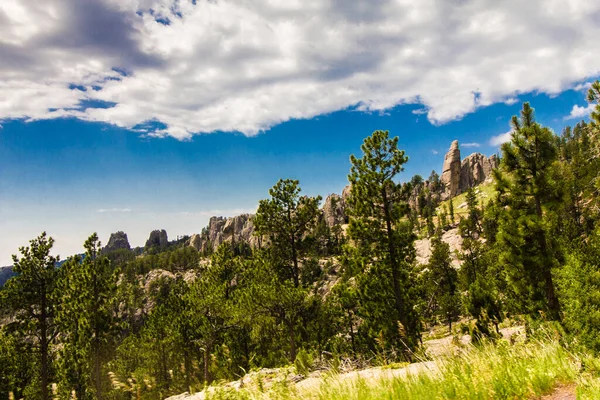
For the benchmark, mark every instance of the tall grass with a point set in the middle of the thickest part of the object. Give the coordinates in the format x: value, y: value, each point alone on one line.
x: 501, y: 371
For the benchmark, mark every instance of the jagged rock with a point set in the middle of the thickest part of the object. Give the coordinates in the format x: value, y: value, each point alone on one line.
x: 117, y: 241
x: 459, y: 176
x: 157, y: 239
x: 346, y: 193
x: 451, y: 170
x: 334, y: 210
x: 475, y: 169
x: 195, y: 241
x: 220, y: 230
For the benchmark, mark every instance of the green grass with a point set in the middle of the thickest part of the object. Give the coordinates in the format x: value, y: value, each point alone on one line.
x: 502, y: 371
x: 485, y: 192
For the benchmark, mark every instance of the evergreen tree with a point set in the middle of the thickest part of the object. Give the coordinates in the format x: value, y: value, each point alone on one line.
x: 87, y: 289
x: 31, y: 296
x: 285, y: 219
x: 385, y: 250
x: 444, y: 279
x: 526, y: 188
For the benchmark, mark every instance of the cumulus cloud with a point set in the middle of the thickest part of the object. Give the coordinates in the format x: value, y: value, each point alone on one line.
x: 580, y: 111
x: 188, y: 66
x: 470, y: 145
x: 503, y: 138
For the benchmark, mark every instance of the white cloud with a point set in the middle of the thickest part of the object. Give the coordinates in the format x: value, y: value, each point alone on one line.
x: 238, y: 65
x: 580, y: 112
x: 113, y: 210
x: 499, y: 139
x: 434, y: 151
x: 470, y: 145
x: 583, y: 87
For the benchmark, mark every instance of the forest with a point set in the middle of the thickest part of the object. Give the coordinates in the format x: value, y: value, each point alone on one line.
x: 310, y: 294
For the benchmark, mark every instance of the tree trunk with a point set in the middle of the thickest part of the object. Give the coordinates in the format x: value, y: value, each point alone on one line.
x: 295, y: 273
x: 207, y: 353
x: 292, y: 334
x: 44, y: 345
x: 400, y: 307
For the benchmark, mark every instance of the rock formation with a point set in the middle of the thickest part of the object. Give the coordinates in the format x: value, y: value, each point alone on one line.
x: 117, y: 241
x: 220, y: 230
x: 459, y: 176
x: 451, y: 171
x: 157, y: 239
x: 334, y: 210
x: 475, y: 169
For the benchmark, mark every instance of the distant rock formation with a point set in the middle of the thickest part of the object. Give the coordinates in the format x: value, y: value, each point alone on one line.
x: 459, y: 176
x: 241, y: 228
x: 334, y: 210
x: 117, y: 241
x: 5, y: 274
x: 220, y: 230
x: 451, y: 170
x: 158, y: 239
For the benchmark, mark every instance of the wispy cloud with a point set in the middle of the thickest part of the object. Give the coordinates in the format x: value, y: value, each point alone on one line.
x: 219, y: 213
x: 113, y: 210
x: 499, y: 139
x: 583, y: 87
x: 470, y: 145
x: 434, y: 151
x: 580, y: 112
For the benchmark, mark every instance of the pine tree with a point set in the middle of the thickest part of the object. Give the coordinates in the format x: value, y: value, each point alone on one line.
x: 528, y: 194
x: 444, y: 279
x: 384, y: 242
x: 285, y: 219
x: 31, y: 295
x: 87, y: 289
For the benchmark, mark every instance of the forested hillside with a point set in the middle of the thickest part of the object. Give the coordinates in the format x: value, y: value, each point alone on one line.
x: 121, y: 323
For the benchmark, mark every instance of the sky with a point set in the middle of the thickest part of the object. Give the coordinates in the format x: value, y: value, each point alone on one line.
x: 137, y: 115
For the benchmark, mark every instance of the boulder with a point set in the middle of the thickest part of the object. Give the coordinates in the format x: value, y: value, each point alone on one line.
x: 117, y: 241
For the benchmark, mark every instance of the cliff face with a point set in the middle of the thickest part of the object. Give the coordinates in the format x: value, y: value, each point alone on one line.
x: 459, y: 176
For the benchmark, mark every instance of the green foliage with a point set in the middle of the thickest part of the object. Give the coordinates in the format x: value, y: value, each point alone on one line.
x: 382, y: 258
x: 285, y: 218
x: 32, y: 296
x: 528, y: 193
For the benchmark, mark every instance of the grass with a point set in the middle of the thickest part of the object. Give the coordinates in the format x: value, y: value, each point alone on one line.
x: 491, y: 371
x: 485, y: 192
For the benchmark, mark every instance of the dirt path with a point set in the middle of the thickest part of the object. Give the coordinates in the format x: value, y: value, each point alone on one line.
x: 562, y: 393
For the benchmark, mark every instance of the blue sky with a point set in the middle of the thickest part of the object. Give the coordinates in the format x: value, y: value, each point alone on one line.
x: 136, y: 115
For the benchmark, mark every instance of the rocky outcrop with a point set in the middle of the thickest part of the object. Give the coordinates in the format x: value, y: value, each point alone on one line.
x: 117, y: 241
x: 452, y: 237
x: 458, y: 177
x: 451, y: 171
x: 475, y: 169
x: 220, y: 230
x: 5, y: 274
x: 334, y: 211
x: 158, y: 239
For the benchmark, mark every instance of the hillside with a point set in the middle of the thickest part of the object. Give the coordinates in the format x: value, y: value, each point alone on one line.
x: 380, y: 283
